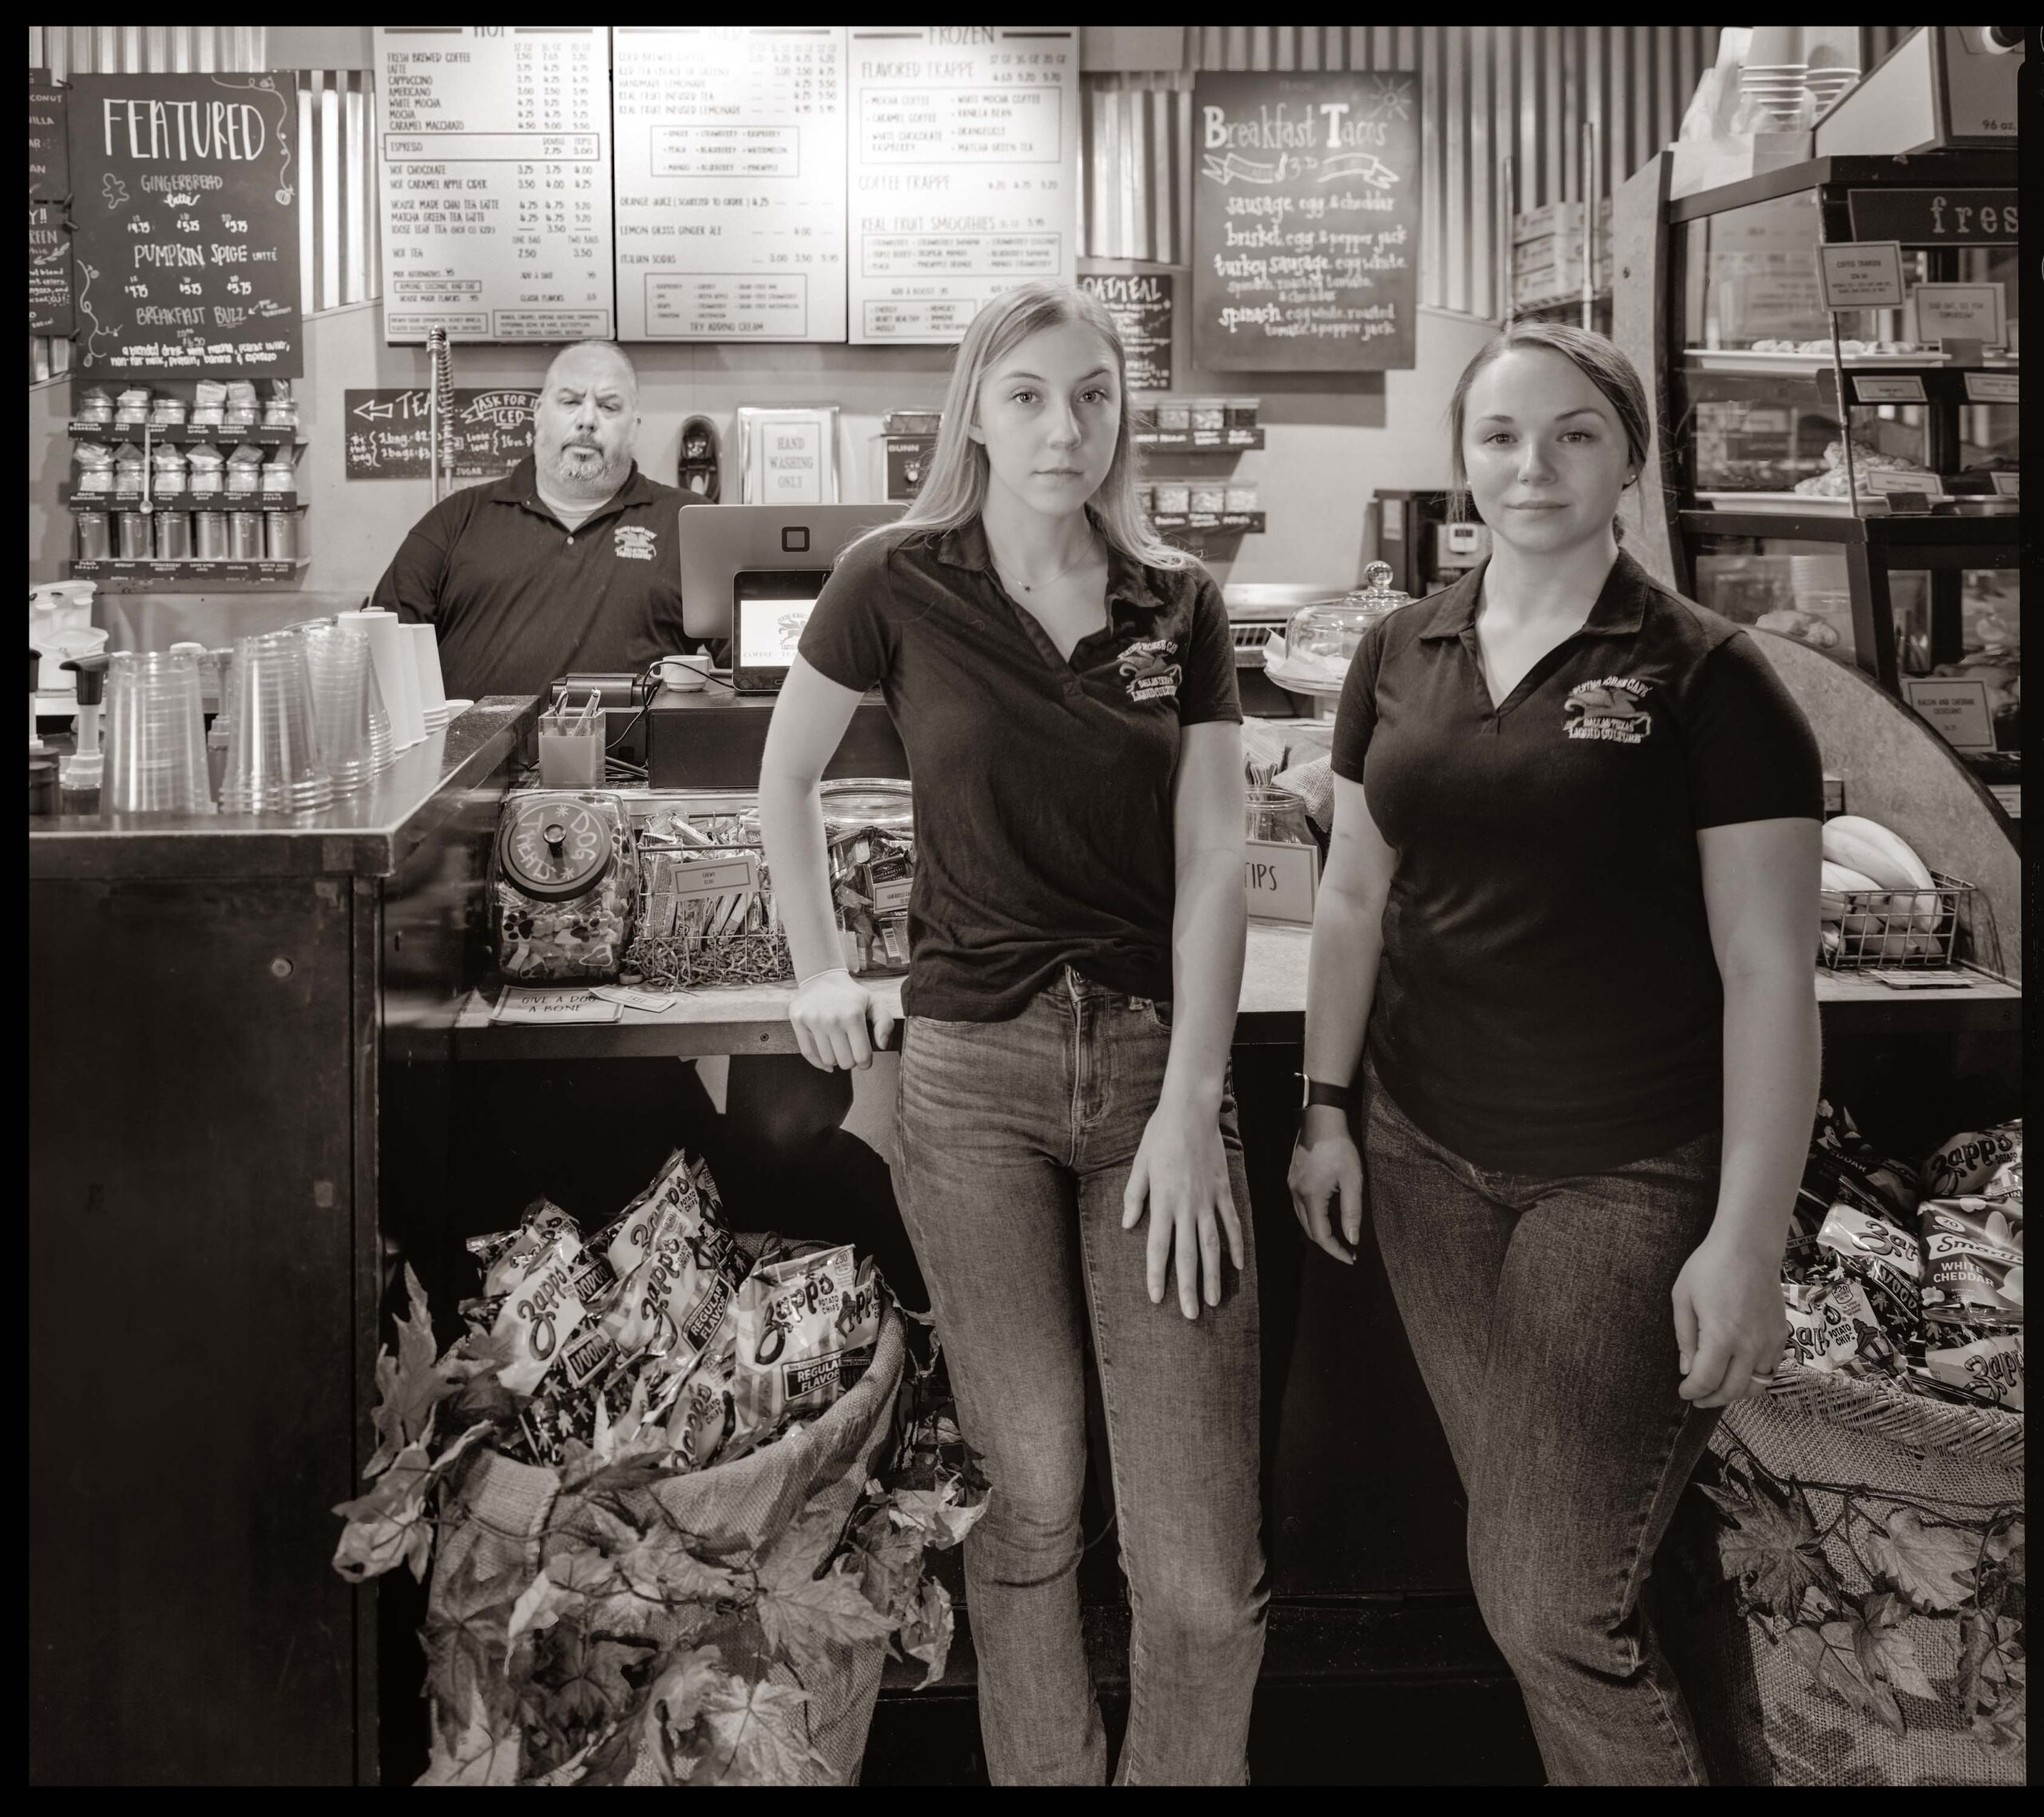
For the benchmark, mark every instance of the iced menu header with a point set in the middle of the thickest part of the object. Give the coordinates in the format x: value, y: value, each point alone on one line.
x: 184, y: 201
x: 390, y: 434
x: 496, y: 195
x: 1305, y: 223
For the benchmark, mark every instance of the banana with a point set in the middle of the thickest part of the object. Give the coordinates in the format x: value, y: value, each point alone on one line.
x: 1870, y: 848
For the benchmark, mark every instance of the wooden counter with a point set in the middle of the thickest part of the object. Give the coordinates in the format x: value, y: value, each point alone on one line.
x: 754, y: 1019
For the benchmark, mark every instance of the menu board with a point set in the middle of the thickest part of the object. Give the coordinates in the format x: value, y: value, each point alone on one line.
x: 184, y: 209
x: 50, y: 156
x: 495, y: 197
x: 1142, y: 304
x: 730, y: 182
x: 389, y: 433
x: 964, y: 163
x: 1305, y: 221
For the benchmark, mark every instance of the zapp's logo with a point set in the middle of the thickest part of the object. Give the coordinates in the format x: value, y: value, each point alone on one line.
x: 1609, y: 711
x: 1150, y: 676
x: 635, y: 542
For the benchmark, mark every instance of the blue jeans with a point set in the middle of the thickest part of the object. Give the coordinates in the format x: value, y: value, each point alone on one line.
x: 1016, y: 1139
x: 1539, y: 1312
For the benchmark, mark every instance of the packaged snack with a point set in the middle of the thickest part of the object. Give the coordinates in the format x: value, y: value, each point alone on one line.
x: 680, y: 1269
x: 1987, y: 1367
x: 1843, y: 1162
x: 1969, y: 1161
x: 702, y: 1418
x: 505, y: 1256
x: 2005, y: 1184
x: 539, y: 1314
x: 1884, y: 1258
x: 1972, y: 1261
x: 791, y: 1354
x: 1832, y: 1328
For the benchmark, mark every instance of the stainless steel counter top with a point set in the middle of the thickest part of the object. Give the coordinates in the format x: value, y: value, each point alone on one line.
x: 365, y: 834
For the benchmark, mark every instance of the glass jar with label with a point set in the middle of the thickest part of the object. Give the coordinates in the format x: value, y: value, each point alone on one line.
x: 868, y: 824
x: 1276, y: 817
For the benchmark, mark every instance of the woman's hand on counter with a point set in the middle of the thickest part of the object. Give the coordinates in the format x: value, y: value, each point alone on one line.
x: 1181, y: 1168
x: 1326, y: 1165
x: 830, y: 1014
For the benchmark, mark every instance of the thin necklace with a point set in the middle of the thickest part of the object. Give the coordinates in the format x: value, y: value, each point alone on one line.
x: 1031, y: 586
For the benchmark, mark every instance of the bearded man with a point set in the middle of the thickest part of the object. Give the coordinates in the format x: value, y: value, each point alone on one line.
x: 567, y: 563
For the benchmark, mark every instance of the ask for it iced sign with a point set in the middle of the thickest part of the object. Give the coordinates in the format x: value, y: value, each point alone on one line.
x: 1305, y: 223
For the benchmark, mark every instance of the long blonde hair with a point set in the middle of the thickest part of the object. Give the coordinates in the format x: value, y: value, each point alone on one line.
x: 954, y: 487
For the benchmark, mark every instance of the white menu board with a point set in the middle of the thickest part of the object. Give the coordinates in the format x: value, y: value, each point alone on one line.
x: 965, y: 172
x: 730, y: 182
x: 494, y: 144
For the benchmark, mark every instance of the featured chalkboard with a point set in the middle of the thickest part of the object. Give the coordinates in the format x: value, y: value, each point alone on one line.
x: 389, y: 437
x: 1141, y: 304
x: 185, y: 207
x: 1305, y: 221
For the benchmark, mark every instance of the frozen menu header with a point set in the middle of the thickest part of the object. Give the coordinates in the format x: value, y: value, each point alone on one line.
x: 496, y: 197
x: 731, y: 183
x: 964, y: 152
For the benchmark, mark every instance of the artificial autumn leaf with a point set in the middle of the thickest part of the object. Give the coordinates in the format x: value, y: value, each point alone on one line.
x: 2005, y: 1548
x: 539, y: 1607
x: 584, y: 1682
x: 672, y: 1725
x: 800, y: 1617
x: 657, y: 1568
x: 485, y: 1752
x: 940, y: 1514
x: 758, y: 1735
x: 927, y: 1635
x: 1771, y: 1548
x: 1887, y: 1654
x: 890, y: 1561
x: 1986, y: 1657
x: 583, y: 1569
x: 465, y: 1642
x: 1831, y: 1656
x: 390, y: 1526
x: 410, y: 1385
x: 2003, y: 1729
x: 1925, y: 1563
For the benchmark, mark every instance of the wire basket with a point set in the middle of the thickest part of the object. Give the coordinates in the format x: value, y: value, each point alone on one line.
x: 743, y: 946
x: 1912, y: 929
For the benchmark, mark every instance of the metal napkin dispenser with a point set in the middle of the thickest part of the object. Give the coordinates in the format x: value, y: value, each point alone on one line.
x: 563, y: 886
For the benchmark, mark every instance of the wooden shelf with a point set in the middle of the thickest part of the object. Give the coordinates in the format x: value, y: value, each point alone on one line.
x: 187, y: 501
x: 1240, y: 523
x: 186, y: 433
x: 115, y: 574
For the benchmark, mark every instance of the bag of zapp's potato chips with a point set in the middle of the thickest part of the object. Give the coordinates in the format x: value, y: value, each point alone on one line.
x: 1832, y: 1328
x: 679, y: 1268
x: 1963, y: 1166
x: 806, y: 1324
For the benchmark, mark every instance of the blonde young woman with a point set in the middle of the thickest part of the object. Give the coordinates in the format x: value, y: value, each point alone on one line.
x: 1571, y: 900
x: 1064, y: 684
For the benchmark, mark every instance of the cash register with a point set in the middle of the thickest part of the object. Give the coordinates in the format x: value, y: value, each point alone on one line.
x: 750, y: 574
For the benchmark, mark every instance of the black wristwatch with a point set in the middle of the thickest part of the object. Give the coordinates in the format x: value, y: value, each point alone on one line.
x: 1319, y: 1091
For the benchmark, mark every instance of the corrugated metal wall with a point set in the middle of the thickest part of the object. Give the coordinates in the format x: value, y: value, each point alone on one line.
x: 1489, y: 92
x: 336, y: 119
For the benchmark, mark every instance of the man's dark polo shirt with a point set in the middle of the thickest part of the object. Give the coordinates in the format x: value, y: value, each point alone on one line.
x: 1548, y: 1001
x: 519, y: 599
x: 1043, y: 787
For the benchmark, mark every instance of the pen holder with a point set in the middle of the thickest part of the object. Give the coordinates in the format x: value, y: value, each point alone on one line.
x: 572, y: 759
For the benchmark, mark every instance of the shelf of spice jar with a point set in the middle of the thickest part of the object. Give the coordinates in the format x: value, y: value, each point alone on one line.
x: 184, y: 500
x: 114, y: 575
x: 1198, y: 442
x: 1245, y: 523
x: 218, y: 435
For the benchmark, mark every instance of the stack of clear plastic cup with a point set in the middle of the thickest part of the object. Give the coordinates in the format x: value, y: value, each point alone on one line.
x: 273, y: 760
x: 342, y: 676
x: 155, y: 734
x: 382, y: 739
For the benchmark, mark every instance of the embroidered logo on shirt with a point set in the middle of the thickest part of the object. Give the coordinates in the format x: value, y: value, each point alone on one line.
x: 1609, y: 711
x: 635, y: 541
x: 1150, y: 676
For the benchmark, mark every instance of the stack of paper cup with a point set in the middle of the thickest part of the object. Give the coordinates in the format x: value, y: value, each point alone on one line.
x: 396, y: 673
x: 432, y: 691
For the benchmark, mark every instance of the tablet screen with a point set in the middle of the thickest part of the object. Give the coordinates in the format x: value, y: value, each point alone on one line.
x: 770, y: 630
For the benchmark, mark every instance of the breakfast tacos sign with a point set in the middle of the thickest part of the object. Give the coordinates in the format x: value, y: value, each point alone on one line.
x: 1305, y: 221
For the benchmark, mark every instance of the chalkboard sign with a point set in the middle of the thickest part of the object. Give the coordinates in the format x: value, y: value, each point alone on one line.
x: 184, y: 201
x: 390, y: 438
x: 1305, y: 221
x: 1142, y: 305
x: 49, y: 161
x: 49, y: 271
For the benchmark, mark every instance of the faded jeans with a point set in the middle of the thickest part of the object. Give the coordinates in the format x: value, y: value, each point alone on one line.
x: 1016, y: 1139
x: 1539, y: 1312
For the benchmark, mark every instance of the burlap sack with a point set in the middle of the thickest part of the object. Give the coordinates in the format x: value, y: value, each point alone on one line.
x: 1759, y: 1718
x: 797, y: 1492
